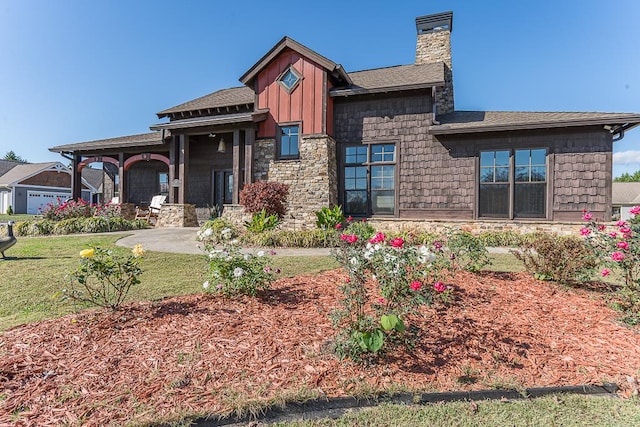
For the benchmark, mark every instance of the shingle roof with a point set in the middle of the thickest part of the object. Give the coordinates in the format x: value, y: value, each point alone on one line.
x: 399, y: 77
x: 93, y: 177
x: 625, y: 193
x: 7, y: 165
x: 152, y: 138
x: 489, y: 121
x: 24, y: 171
x: 221, y: 98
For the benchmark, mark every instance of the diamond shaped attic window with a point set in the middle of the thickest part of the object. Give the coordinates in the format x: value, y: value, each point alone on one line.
x: 289, y: 79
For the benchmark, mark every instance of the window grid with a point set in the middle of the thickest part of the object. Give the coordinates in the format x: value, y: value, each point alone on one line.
x: 289, y: 138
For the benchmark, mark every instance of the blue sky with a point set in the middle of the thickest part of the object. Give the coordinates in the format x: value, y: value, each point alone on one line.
x: 77, y: 70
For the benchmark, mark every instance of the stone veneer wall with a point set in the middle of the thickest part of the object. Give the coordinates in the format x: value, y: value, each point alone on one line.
x: 236, y: 215
x: 177, y: 215
x: 128, y: 211
x: 434, y: 47
x: 312, y: 178
x: 476, y: 227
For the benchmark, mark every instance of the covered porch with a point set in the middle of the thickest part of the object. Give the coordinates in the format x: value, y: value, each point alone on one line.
x: 199, y: 164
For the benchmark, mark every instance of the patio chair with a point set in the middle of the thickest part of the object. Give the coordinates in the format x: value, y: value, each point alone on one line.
x: 150, y: 213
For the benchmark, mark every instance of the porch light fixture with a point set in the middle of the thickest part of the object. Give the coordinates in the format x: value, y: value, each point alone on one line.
x: 222, y: 147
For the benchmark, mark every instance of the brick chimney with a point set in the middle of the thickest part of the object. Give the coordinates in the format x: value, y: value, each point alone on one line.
x: 434, y: 45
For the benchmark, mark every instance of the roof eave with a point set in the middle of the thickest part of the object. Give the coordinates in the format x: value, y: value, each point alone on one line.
x: 447, y: 130
x: 254, y: 116
x: 365, y: 91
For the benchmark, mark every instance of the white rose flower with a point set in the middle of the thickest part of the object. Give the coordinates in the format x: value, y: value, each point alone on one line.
x: 235, y: 241
x: 354, y: 261
x: 206, y: 285
x: 260, y: 254
x: 247, y: 257
x: 238, y: 272
x: 208, y: 232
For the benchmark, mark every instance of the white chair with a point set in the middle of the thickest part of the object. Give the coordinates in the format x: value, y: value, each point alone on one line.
x: 150, y: 213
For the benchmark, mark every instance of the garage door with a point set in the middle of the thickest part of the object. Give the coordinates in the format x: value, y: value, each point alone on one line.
x: 37, y: 200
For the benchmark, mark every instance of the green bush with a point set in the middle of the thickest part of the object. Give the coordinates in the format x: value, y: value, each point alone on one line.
x: 292, y: 239
x: 45, y: 227
x: 212, y: 230
x: 559, y: 258
x: 466, y: 251
x: 329, y: 218
x: 9, y: 210
x: 361, y: 229
x: 261, y: 222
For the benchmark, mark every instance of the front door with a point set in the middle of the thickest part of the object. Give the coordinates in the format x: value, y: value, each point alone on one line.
x: 222, y: 188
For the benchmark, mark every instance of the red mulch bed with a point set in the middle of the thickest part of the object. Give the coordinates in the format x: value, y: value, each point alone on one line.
x: 198, y: 353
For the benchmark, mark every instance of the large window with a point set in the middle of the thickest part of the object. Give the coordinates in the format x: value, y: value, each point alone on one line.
x: 163, y: 183
x: 513, y: 183
x: 288, y: 138
x: 369, y: 179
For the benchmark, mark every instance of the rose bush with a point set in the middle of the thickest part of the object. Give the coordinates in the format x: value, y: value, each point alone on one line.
x: 387, y: 281
x: 231, y: 272
x: 618, y: 249
x: 104, y: 278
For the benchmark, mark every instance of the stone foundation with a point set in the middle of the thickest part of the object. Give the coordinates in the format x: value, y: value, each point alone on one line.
x: 177, y: 215
x: 476, y: 227
x: 128, y: 211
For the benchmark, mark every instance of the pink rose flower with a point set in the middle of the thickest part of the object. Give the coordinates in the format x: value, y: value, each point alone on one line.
x: 439, y: 287
x: 415, y: 285
x: 338, y: 226
x: 634, y: 210
x: 602, y: 227
x: 585, y: 231
x: 349, y: 218
x: 621, y: 223
x: 605, y: 272
x: 343, y: 237
x: 352, y: 238
x: 623, y: 245
x: 625, y: 230
x: 378, y: 238
x: 587, y: 216
x: 398, y: 242
x: 382, y: 300
x: 617, y: 256
x: 613, y: 234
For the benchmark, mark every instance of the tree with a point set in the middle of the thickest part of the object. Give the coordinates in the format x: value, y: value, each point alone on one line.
x: 627, y: 177
x: 14, y: 157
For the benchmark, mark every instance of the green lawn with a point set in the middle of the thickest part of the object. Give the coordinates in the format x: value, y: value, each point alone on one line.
x: 562, y: 410
x: 15, y: 217
x: 31, y: 281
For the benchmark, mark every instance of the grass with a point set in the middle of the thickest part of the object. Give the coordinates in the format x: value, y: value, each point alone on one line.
x: 15, y: 217
x: 560, y: 410
x: 31, y: 281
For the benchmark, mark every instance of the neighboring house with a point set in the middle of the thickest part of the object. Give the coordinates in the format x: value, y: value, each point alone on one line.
x: 384, y: 143
x: 28, y: 187
x: 626, y: 195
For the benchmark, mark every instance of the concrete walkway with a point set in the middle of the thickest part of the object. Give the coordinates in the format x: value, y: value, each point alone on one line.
x: 182, y: 240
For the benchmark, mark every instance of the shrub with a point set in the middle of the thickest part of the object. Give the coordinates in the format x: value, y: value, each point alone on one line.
x: 292, y: 239
x: 103, y: 278
x: 618, y: 248
x: 467, y: 251
x: 329, y: 218
x: 46, y: 227
x: 9, y: 210
x: 267, y: 195
x: 212, y: 229
x: 78, y: 209
x: 404, y: 277
x: 232, y: 272
x: 559, y: 258
x: 261, y: 221
x: 361, y: 229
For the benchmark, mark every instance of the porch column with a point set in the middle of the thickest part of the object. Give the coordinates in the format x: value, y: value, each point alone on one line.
x: 183, y: 168
x: 76, y: 179
x: 172, y: 170
x: 122, y: 185
x: 249, y: 136
x: 236, y: 167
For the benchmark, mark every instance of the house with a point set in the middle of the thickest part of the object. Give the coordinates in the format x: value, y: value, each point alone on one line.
x: 625, y: 195
x: 384, y: 143
x: 29, y: 187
